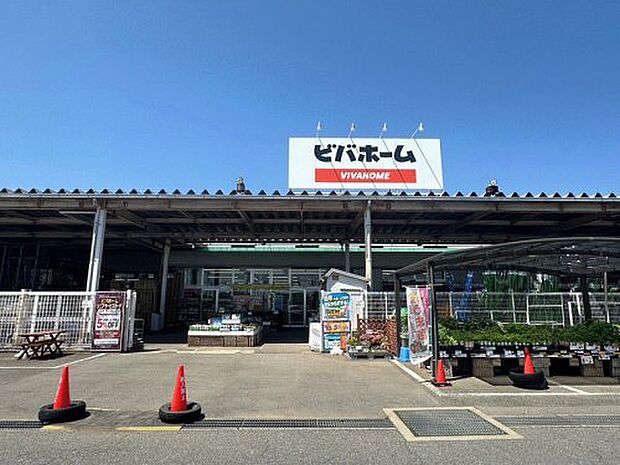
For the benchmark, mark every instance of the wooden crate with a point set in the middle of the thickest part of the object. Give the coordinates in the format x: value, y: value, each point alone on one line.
x: 594, y: 370
x: 483, y: 367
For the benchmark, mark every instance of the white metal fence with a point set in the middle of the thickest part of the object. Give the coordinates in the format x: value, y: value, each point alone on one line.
x: 72, y: 312
x: 554, y: 308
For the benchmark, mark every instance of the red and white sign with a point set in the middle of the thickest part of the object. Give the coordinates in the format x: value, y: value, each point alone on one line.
x: 108, y: 318
x: 364, y: 164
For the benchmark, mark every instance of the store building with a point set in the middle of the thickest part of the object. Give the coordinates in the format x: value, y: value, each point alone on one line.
x: 368, y: 206
x: 265, y: 252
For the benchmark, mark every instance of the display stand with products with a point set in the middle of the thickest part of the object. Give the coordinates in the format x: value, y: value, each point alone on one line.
x: 226, y: 331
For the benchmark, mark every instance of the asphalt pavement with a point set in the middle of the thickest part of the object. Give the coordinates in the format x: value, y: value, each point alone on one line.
x: 123, y: 391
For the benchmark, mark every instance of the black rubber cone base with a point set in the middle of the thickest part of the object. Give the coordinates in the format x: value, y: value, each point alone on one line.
x: 75, y: 411
x: 193, y: 413
x: 534, y: 381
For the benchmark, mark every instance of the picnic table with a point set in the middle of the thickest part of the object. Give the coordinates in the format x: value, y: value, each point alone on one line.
x: 37, y: 344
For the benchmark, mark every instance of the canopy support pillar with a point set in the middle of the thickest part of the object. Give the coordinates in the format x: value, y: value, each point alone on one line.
x: 368, y: 245
x: 397, y: 312
x: 164, y: 284
x: 585, y: 295
x: 96, y: 250
x: 606, y: 297
x: 434, y: 320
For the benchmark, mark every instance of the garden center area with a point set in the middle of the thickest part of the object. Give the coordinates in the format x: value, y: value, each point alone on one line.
x: 568, y: 332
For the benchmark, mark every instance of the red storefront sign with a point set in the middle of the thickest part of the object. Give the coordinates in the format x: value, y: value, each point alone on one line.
x: 350, y: 175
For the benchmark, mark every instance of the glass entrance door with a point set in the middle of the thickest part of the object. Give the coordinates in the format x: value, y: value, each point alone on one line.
x: 297, y: 308
x: 209, y: 306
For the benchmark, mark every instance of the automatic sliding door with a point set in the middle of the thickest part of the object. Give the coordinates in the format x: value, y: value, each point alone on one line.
x: 297, y: 308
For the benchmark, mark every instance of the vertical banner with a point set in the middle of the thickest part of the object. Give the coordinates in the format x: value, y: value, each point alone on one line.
x: 108, y: 320
x: 335, y: 319
x: 419, y: 316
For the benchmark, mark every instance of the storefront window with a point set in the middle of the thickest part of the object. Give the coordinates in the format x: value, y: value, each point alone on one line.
x: 305, y: 278
x: 280, y: 295
x: 193, y: 277
x: 218, y: 277
x: 261, y: 277
x: 242, y: 277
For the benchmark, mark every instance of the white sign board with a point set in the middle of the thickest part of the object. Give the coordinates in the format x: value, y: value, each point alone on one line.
x: 364, y: 164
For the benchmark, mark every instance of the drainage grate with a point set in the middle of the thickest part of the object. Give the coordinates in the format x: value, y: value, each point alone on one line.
x: 20, y: 424
x: 561, y: 420
x: 313, y: 423
x: 451, y: 423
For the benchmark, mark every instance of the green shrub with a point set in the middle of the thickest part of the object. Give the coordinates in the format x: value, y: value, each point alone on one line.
x: 452, y: 331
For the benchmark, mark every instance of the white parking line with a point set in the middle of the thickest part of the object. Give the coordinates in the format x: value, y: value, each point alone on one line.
x: 441, y: 393
x: 571, y: 388
x: 55, y: 367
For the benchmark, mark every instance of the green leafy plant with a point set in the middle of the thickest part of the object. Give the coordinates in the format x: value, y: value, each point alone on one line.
x: 452, y: 331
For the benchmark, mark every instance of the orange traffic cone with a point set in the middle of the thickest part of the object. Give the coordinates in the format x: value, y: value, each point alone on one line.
x: 179, y: 396
x: 63, y: 394
x: 440, y: 375
x: 63, y: 409
x: 528, y: 366
x: 180, y: 410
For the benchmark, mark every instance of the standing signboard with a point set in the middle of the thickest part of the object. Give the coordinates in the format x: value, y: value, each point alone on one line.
x: 419, y: 313
x: 108, y: 317
x: 364, y: 164
x: 335, y: 319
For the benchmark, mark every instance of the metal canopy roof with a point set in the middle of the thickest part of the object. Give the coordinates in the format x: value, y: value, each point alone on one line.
x: 578, y: 256
x: 150, y: 218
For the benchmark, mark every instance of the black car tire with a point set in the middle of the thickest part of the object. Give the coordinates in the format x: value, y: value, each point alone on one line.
x: 190, y: 415
x: 534, y: 381
x: 75, y: 411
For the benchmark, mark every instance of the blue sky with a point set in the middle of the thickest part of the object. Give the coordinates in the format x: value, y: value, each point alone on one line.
x: 180, y: 94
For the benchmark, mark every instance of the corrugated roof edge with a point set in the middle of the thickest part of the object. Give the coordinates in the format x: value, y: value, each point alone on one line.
x: 205, y: 193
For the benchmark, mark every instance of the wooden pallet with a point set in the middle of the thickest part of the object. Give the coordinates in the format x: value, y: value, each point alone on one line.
x: 369, y: 355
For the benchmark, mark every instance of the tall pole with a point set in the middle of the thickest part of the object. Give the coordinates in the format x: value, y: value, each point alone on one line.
x: 434, y: 319
x: 397, y: 311
x: 606, y: 297
x: 347, y: 256
x: 368, y: 245
x: 35, y: 268
x: 587, y: 309
x: 164, y: 284
x: 96, y: 250
x: 4, y: 252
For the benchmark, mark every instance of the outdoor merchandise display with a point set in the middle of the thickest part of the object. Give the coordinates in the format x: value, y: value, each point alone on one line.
x: 590, y: 349
x: 232, y: 330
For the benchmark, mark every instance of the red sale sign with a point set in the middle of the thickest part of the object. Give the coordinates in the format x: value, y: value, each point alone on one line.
x: 108, y: 318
